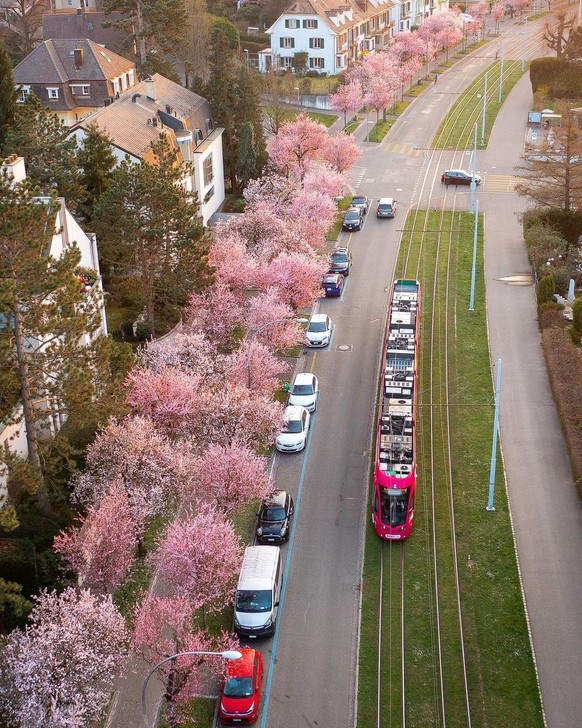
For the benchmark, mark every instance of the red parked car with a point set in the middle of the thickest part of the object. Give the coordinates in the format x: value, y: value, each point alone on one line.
x: 241, y: 689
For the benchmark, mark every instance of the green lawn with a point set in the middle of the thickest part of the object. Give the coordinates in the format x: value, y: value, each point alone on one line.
x: 495, y: 630
x: 457, y: 130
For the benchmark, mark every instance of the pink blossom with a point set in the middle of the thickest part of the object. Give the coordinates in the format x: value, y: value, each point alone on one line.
x: 347, y: 99
x: 298, y: 277
x: 216, y: 313
x: 61, y: 669
x: 296, y: 146
x: 341, y: 151
x: 199, y: 556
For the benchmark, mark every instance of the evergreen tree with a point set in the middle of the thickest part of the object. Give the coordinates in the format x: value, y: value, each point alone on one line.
x: 46, y: 313
x: 97, y: 161
x: 247, y: 165
x: 248, y: 110
x: 51, y: 159
x: 8, y: 95
x: 150, y: 234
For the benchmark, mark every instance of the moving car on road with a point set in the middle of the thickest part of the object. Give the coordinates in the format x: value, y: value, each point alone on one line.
x: 293, y: 436
x: 274, y: 518
x: 386, y: 207
x: 458, y: 177
x: 318, y: 333
x: 333, y: 284
x: 241, y: 688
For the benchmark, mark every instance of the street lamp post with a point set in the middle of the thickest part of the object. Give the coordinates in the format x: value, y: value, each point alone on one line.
x: 484, y: 111
x: 253, y: 333
x: 298, y: 96
x: 226, y: 655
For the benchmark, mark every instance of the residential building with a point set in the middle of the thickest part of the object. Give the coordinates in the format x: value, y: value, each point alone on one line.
x: 335, y: 35
x: 159, y: 106
x: 85, y: 19
x: 73, y: 77
x: 67, y: 233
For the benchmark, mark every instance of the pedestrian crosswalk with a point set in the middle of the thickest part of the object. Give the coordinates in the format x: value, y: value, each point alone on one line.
x: 501, y: 182
x: 411, y: 149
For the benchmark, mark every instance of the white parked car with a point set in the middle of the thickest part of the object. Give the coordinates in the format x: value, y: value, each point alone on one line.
x: 293, y: 436
x: 318, y: 330
x: 304, y: 391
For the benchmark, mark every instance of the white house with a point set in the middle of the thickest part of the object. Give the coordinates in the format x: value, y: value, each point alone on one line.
x: 67, y: 233
x: 335, y: 35
x: 159, y: 106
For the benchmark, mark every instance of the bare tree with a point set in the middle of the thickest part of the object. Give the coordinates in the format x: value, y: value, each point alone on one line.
x: 552, y: 178
x: 275, y: 91
x: 557, y: 31
x: 24, y: 19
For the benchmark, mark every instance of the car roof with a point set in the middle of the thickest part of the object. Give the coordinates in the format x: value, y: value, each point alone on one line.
x: 293, y: 412
x: 318, y: 317
x: 277, y: 498
x: 304, y: 378
x: 339, y: 250
x: 457, y: 171
x: 243, y: 665
x: 386, y: 201
x: 359, y: 197
x: 331, y: 277
x: 352, y: 209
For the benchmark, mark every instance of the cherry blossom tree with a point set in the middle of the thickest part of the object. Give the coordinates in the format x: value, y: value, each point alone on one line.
x: 406, y: 45
x: 102, y: 549
x: 187, y: 350
x: 135, y: 456
x: 272, y: 188
x: 380, y: 94
x: 341, y: 151
x: 298, y: 277
x: 60, y: 670
x: 216, y: 312
x: 165, y: 626
x: 497, y: 12
x: 266, y: 309
x: 321, y: 185
x: 199, y: 556
x: 347, y: 99
x: 297, y: 145
x: 253, y: 357
x: 231, y: 475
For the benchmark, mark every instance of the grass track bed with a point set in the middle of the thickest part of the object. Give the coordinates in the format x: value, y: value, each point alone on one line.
x: 501, y: 677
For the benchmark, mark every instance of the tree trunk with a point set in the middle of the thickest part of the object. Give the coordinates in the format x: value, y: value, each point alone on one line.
x: 140, y: 35
x: 27, y: 406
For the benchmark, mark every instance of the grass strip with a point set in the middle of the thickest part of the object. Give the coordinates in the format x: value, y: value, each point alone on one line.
x: 457, y: 129
x: 500, y: 673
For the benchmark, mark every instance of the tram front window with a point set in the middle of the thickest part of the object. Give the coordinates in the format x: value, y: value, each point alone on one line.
x: 394, y: 503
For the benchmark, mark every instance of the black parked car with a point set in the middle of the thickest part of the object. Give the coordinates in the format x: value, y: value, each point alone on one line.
x: 353, y: 218
x: 340, y: 261
x: 458, y: 177
x: 274, y: 517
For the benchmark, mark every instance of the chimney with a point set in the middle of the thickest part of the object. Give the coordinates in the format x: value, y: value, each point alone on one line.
x: 13, y: 167
x: 78, y: 53
x: 150, y: 88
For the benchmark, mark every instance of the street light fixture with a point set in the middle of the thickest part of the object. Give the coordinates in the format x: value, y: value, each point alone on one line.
x: 226, y: 655
x: 298, y: 96
x: 254, y: 332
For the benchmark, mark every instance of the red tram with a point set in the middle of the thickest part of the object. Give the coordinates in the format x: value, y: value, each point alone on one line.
x: 395, y: 458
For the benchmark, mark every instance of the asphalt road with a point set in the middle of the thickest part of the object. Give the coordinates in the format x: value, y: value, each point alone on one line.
x: 311, y: 664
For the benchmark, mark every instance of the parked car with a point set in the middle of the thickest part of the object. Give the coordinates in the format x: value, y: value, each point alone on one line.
x: 304, y: 391
x: 333, y: 284
x: 353, y: 218
x: 241, y: 688
x: 293, y: 436
x: 274, y: 518
x: 360, y: 201
x: 386, y: 207
x: 560, y: 158
x: 318, y: 331
x: 458, y: 177
x: 340, y: 261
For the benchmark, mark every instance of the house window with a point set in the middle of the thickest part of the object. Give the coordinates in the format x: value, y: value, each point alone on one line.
x: 292, y: 23
x: 79, y: 90
x: 311, y: 24
x: 53, y: 93
x: 23, y: 94
x: 209, y: 194
x: 316, y: 42
x: 287, y: 42
x: 316, y: 63
x: 339, y: 61
x: 207, y: 170
x: 286, y: 61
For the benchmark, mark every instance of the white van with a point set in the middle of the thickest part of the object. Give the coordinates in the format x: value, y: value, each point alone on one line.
x: 257, y: 594
x: 386, y: 207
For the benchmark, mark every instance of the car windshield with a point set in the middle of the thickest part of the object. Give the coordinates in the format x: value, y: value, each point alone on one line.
x: 273, y: 513
x: 302, y: 389
x: 317, y: 327
x: 352, y: 215
x: 292, y: 426
x: 385, y: 207
x: 253, y: 601
x: 358, y: 201
x: 238, y: 687
x: 339, y: 258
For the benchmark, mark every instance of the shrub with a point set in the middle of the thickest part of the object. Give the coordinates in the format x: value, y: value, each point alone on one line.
x: 561, y: 278
x: 577, y: 315
x: 545, y: 289
x: 18, y: 562
x: 143, y: 330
